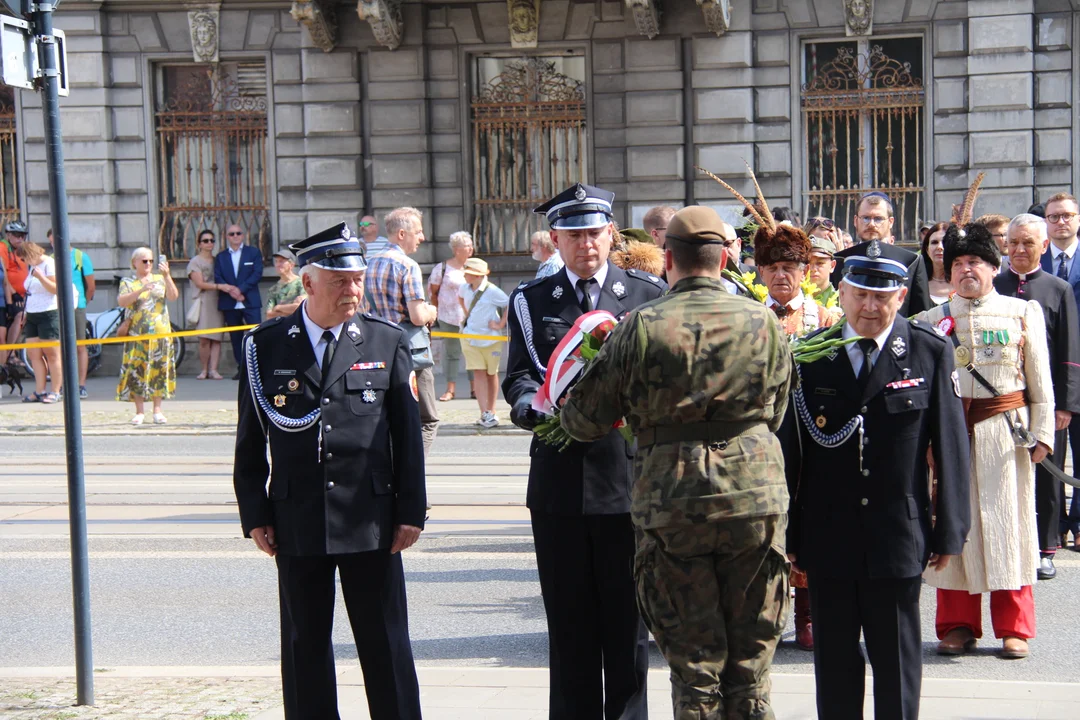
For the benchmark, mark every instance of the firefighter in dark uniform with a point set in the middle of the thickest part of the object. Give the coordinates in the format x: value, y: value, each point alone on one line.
x: 861, y: 516
x: 579, y: 499
x: 331, y: 391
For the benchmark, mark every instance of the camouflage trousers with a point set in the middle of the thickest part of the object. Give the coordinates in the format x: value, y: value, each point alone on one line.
x: 715, y: 596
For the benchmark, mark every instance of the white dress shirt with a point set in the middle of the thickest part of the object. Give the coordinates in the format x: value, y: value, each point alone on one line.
x: 594, y: 289
x: 315, y: 333
x: 793, y: 305
x: 1055, y: 253
x: 855, y: 353
x: 234, y: 255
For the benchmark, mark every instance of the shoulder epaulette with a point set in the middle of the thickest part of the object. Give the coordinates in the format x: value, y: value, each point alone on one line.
x: 266, y: 324
x: 384, y: 321
x: 928, y: 329
x: 644, y: 276
x: 526, y: 284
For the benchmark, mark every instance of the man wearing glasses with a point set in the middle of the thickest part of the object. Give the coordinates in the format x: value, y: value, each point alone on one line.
x: 1062, y: 222
x: 237, y: 271
x: 873, y: 226
x: 374, y: 243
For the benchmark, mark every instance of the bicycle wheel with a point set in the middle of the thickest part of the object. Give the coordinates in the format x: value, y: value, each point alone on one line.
x: 27, y: 367
x: 178, y: 348
x: 93, y: 352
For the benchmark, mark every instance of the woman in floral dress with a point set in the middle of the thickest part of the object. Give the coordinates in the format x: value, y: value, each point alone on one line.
x: 147, y: 369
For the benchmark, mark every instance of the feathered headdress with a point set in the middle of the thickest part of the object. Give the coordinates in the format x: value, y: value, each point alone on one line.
x: 963, y: 213
x: 643, y: 256
x: 773, y: 242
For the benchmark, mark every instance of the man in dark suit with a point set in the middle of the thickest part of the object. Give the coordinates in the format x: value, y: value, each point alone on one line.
x: 579, y: 499
x: 237, y: 271
x: 1025, y: 279
x: 331, y: 391
x: 874, y: 229
x: 860, y: 521
x: 1062, y: 215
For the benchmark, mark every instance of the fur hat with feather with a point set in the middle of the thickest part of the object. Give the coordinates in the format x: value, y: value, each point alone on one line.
x: 637, y: 255
x: 773, y: 242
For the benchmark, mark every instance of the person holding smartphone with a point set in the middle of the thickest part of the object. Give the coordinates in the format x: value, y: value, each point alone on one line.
x: 42, y: 321
x: 147, y: 369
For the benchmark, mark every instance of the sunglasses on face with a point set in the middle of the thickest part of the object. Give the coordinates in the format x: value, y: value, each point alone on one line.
x: 235, y: 234
x: 146, y: 260
x: 206, y: 240
x: 822, y: 222
x: 366, y: 224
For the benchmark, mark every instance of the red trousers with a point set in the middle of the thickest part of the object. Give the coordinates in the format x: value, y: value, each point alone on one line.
x: 1012, y: 612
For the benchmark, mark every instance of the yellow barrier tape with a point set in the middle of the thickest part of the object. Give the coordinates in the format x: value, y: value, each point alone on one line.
x: 127, y: 338
x: 207, y: 331
x: 462, y: 336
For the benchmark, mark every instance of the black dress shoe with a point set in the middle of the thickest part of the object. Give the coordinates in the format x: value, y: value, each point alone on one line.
x: 1046, y: 570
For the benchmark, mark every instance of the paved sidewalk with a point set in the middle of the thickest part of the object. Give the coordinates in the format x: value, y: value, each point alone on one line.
x: 253, y: 693
x: 200, y: 407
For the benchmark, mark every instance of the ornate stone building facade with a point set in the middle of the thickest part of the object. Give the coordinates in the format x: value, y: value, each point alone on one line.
x: 290, y: 115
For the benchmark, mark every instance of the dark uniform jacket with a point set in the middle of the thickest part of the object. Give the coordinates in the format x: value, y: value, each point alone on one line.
x: 1062, y: 328
x: 876, y: 521
x: 586, y: 478
x: 918, y: 297
x: 368, y: 475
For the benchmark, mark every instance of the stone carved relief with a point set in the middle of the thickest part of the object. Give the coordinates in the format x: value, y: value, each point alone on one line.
x: 717, y: 15
x: 646, y: 16
x: 320, y: 19
x: 859, y: 17
x: 203, y: 24
x: 524, y: 22
x: 384, y: 16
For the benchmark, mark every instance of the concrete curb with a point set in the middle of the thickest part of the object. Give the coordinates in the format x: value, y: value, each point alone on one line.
x: 449, y: 430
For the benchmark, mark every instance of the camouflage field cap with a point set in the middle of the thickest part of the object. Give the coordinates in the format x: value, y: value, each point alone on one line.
x: 697, y: 225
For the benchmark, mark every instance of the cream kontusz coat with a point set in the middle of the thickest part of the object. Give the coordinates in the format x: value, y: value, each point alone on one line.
x: 1002, y: 551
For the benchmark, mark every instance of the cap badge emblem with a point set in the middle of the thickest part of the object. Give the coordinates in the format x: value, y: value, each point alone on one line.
x: 619, y: 290
x: 294, y: 330
x: 279, y: 401
x: 368, y: 396
x: 580, y: 193
x: 874, y: 251
x: 557, y: 292
x: 899, y: 347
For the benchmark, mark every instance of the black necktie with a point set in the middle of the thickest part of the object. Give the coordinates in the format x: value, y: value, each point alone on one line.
x: 583, y: 284
x: 867, y: 345
x: 328, y: 351
x: 1062, y: 272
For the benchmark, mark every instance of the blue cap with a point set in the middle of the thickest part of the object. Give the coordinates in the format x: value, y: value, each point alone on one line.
x: 878, y: 274
x: 578, y: 207
x: 332, y: 249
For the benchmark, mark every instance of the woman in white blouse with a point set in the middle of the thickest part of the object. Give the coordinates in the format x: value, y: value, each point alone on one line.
x: 42, y: 321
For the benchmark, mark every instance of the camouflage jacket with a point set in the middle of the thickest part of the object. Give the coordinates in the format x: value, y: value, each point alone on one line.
x: 698, y: 354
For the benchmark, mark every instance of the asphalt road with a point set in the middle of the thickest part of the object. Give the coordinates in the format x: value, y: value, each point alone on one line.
x: 174, y: 584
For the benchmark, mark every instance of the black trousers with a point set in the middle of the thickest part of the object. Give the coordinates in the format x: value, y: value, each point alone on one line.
x: 887, y: 613
x: 246, y: 316
x: 1048, y: 497
x: 373, y: 584
x: 598, y: 645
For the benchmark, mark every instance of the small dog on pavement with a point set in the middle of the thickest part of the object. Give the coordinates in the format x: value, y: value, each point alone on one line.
x: 11, y: 375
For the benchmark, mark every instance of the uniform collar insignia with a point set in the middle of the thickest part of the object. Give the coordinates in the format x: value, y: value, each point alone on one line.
x: 619, y: 289
x: 899, y: 347
x: 353, y: 330
x: 294, y: 330
x: 557, y: 292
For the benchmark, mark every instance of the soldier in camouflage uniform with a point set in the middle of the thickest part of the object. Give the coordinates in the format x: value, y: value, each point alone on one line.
x: 702, y: 378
